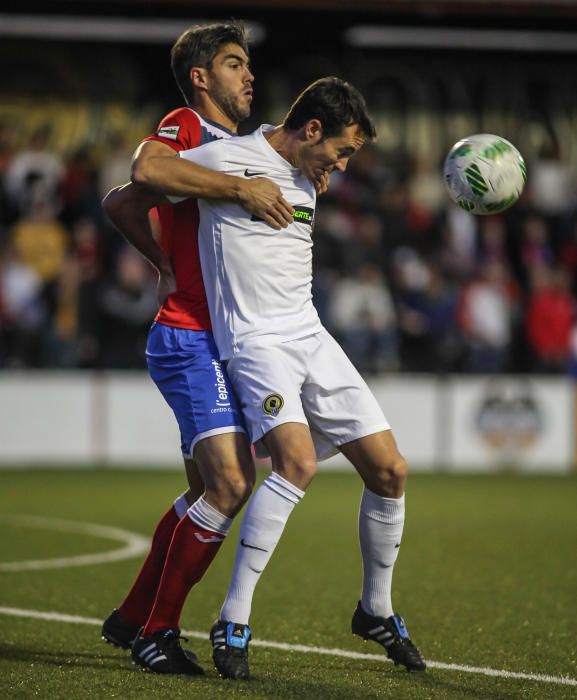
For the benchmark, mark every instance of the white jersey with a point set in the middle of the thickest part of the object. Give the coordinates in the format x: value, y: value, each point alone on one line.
x: 257, y: 279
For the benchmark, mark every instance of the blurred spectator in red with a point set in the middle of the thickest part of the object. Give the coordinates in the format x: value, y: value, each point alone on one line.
x: 549, y: 319
x: 362, y: 315
x: 486, y: 316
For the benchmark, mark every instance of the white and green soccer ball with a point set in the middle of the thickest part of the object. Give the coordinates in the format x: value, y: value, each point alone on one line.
x: 484, y: 174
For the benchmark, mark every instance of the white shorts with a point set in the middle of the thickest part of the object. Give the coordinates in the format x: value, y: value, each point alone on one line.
x: 309, y: 380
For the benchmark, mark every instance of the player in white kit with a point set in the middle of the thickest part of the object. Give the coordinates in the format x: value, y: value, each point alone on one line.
x: 301, y: 396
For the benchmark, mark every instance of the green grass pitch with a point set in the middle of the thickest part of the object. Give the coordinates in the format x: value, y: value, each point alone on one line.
x: 486, y: 577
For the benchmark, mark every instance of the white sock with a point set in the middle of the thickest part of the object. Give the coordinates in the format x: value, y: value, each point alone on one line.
x: 381, y: 523
x: 262, y: 526
x: 208, y: 518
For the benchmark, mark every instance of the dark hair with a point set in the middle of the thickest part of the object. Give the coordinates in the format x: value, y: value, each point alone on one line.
x: 335, y: 103
x: 198, y: 46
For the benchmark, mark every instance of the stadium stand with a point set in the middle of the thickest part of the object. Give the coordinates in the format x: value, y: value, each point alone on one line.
x: 402, y: 277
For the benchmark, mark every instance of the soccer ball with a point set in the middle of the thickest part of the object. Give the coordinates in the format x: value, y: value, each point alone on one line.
x: 484, y: 174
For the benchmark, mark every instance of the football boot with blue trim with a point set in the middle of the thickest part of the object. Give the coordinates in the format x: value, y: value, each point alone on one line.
x: 391, y: 633
x: 230, y: 649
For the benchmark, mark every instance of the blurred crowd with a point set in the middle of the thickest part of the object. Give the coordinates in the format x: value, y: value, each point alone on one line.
x: 404, y: 279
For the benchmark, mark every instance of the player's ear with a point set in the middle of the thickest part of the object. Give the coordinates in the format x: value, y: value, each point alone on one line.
x: 199, y: 78
x: 314, y: 130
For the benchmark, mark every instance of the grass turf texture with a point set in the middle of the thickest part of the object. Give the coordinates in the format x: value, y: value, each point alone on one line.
x: 486, y: 576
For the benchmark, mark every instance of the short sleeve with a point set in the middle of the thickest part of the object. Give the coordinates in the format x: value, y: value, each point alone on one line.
x: 180, y: 130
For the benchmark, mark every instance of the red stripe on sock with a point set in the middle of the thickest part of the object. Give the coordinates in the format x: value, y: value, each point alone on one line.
x: 190, y: 554
x: 138, y: 603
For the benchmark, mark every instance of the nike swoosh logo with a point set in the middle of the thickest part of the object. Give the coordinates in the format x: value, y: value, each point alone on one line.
x: 249, y: 173
x: 207, y: 540
x: 251, y: 546
x: 397, y: 545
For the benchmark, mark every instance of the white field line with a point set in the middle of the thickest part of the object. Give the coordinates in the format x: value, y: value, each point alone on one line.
x: 134, y: 544
x: 302, y: 648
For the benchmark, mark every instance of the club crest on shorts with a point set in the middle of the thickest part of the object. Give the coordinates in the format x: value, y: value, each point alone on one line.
x: 273, y: 404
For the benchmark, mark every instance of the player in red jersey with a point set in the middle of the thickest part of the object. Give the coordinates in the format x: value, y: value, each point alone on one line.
x: 211, y: 67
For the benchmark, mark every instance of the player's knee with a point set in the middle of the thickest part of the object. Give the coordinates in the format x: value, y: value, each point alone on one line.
x: 240, y: 491
x: 299, y: 472
x: 391, y: 478
x: 228, y: 496
x: 235, y: 496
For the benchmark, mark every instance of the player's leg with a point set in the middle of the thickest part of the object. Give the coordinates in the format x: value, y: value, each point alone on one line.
x: 381, y: 520
x: 226, y: 463
x: 194, y: 479
x: 277, y: 419
x: 123, y: 624
x: 196, y: 541
x: 381, y: 515
x: 294, y: 464
x: 347, y: 411
x: 263, y: 523
x: 227, y: 470
x: 212, y: 429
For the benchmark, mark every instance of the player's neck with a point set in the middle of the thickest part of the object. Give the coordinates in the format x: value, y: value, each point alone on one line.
x: 284, y: 143
x: 211, y: 111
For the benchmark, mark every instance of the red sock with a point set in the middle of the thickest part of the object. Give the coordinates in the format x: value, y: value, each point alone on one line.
x: 191, y: 552
x: 138, y: 603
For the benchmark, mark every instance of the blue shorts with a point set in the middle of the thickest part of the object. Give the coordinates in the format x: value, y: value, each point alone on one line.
x: 186, y: 368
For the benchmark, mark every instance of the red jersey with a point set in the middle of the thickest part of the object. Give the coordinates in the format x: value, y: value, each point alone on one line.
x: 186, y: 308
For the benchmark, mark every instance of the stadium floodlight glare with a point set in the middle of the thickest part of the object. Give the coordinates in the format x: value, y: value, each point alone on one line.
x: 365, y: 36
x: 150, y: 30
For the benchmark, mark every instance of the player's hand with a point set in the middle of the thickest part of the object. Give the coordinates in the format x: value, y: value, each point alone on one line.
x: 321, y: 182
x: 264, y: 199
x: 166, y: 285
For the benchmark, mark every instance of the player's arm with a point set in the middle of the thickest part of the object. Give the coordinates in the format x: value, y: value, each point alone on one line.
x: 155, y: 166
x: 127, y: 208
